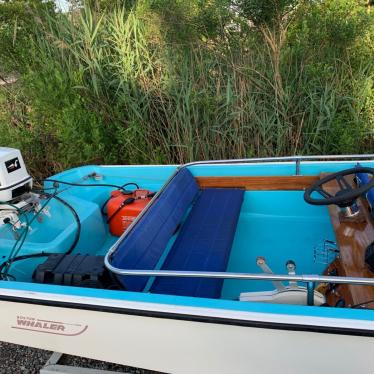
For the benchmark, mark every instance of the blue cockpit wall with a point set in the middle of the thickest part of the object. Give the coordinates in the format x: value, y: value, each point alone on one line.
x: 277, y: 225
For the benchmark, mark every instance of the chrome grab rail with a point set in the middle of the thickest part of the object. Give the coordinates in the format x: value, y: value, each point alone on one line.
x: 296, y: 159
x: 310, y: 280
x: 244, y: 276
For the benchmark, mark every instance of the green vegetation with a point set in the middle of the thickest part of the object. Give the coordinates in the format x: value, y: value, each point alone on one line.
x: 170, y: 81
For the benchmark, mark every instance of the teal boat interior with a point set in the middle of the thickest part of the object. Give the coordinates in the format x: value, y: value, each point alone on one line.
x: 246, y: 227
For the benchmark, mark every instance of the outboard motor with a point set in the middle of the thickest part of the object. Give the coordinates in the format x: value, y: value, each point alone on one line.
x: 15, y: 188
x: 14, y: 178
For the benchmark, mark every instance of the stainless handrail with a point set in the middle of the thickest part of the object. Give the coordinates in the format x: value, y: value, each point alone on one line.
x: 309, y: 279
x: 284, y: 158
x: 244, y: 276
x: 296, y: 159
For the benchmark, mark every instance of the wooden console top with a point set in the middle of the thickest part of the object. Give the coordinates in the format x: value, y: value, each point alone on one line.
x: 353, y: 238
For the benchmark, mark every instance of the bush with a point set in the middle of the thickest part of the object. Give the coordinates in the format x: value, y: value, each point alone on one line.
x: 122, y: 86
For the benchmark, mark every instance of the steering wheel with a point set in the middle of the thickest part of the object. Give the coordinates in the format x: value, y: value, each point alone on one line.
x: 347, y: 193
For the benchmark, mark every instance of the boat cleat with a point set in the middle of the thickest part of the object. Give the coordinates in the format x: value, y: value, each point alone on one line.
x: 291, y: 294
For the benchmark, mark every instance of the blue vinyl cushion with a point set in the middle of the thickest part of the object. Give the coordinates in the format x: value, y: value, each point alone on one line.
x: 204, y: 244
x: 362, y: 179
x: 145, y: 243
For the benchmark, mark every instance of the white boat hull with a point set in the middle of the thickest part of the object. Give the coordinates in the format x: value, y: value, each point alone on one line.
x: 182, y: 346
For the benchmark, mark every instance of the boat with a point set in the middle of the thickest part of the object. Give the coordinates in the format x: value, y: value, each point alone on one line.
x: 259, y: 265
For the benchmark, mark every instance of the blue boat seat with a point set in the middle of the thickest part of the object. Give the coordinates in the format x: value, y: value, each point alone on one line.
x: 146, y: 242
x: 203, y: 242
x: 362, y: 179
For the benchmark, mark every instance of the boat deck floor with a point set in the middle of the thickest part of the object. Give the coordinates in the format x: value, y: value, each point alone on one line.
x: 279, y: 233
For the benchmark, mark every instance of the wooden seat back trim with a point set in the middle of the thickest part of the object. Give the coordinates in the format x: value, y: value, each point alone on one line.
x: 259, y: 183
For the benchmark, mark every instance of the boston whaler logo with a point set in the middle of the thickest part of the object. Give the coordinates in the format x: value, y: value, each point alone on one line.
x: 49, y: 327
x: 12, y: 165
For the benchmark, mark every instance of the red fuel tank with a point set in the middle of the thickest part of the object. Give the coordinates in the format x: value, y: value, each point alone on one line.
x: 124, y: 208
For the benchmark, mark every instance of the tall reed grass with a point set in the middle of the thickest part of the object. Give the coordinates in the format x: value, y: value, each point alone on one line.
x: 110, y: 88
